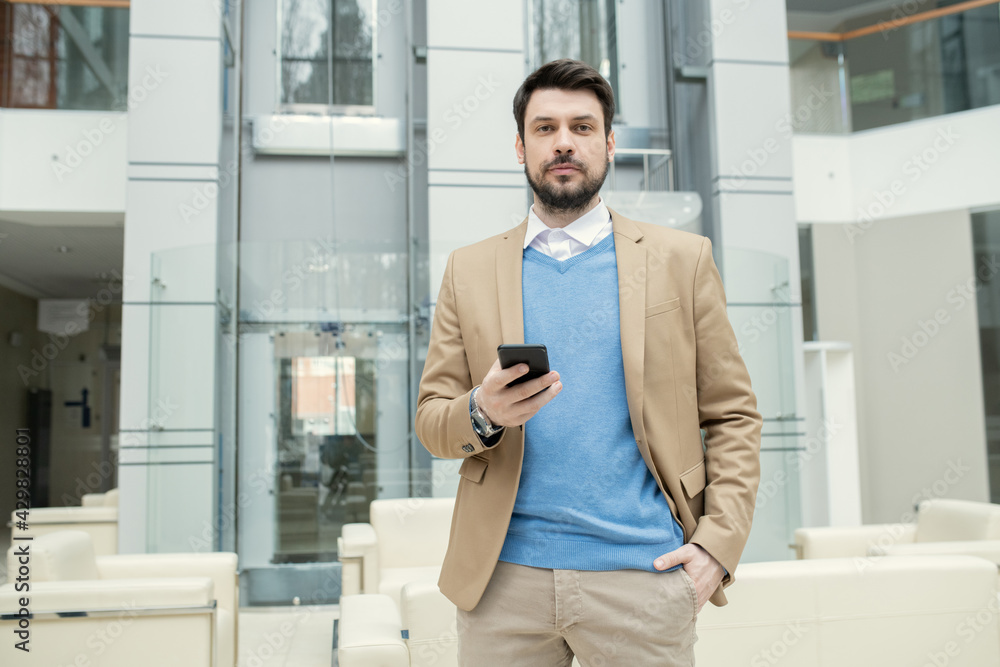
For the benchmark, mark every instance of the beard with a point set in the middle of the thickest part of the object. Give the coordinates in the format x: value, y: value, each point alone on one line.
x: 562, y: 196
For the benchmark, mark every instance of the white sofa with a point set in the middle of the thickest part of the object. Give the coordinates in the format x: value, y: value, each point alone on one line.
x: 99, y: 521
x: 405, y: 541
x: 815, y: 613
x: 938, y: 521
x: 66, y: 576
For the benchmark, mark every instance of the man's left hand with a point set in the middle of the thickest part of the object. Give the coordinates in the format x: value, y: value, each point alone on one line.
x: 701, y: 566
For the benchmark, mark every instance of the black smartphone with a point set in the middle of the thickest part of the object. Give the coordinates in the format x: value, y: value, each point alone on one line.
x: 536, y: 356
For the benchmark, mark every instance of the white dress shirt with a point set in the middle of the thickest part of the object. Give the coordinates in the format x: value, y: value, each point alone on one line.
x: 562, y: 243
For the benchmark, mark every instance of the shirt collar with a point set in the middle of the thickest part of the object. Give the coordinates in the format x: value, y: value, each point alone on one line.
x: 584, y: 229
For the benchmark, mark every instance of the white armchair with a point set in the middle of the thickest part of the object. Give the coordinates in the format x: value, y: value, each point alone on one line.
x: 66, y: 576
x: 939, y: 521
x: 99, y: 521
x: 405, y: 541
x: 108, y: 499
x: 149, y: 622
x: 421, y: 632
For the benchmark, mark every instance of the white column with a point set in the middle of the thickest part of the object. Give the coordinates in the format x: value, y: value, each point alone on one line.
x: 475, y: 64
x: 167, y: 457
x: 757, y: 239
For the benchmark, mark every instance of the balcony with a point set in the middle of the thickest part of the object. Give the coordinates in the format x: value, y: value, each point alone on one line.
x: 892, y: 66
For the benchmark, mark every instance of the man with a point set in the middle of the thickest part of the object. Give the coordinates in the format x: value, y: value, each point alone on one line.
x: 591, y: 519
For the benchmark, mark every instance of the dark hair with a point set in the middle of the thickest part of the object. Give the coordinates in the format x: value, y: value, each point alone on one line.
x: 565, y: 74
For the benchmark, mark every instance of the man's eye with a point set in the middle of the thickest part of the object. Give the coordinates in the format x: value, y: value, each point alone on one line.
x: 585, y: 128
x: 542, y: 128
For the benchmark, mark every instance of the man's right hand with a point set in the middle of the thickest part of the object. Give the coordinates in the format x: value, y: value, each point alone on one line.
x: 512, y: 406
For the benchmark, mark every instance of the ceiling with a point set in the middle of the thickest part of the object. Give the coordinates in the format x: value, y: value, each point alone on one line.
x: 33, y: 263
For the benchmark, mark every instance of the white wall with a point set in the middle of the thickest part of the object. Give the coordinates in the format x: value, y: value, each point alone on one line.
x: 938, y: 164
x: 62, y: 161
x: 893, y: 294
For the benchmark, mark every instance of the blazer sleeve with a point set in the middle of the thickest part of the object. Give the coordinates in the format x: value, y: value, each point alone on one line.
x: 727, y: 411
x: 443, y: 421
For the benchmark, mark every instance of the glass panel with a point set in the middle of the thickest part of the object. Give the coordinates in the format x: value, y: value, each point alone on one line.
x: 177, y: 446
x: 818, y: 79
x: 184, y: 274
x: 306, y: 281
x: 986, y: 246
x: 306, y: 56
x: 898, y: 73
x: 62, y: 57
x: 760, y: 310
x: 777, y: 513
x: 324, y: 424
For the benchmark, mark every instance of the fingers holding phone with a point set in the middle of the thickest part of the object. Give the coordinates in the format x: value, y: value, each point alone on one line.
x: 518, y: 384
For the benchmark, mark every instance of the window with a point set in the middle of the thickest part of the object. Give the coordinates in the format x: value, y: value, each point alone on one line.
x: 580, y: 29
x: 328, y: 54
x: 63, y: 57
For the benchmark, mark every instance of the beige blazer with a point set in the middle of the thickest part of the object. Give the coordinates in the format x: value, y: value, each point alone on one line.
x: 683, y: 373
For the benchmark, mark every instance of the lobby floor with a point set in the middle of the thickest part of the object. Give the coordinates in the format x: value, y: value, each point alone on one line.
x: 287, y: 636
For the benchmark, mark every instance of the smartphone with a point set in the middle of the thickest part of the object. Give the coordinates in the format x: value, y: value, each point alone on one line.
x: 536, y: 356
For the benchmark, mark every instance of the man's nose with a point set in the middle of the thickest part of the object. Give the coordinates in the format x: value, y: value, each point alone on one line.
x: 564, y: 143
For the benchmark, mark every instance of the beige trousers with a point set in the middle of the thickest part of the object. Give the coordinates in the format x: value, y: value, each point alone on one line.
x: 535, y: 617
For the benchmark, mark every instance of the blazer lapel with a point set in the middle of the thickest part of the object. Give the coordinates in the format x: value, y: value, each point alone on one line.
x: 508, y: 259
x: 631, y: 258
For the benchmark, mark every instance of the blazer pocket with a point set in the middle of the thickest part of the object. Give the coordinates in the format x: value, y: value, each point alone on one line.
x: 663, y: 307
x: 473, y: 469
x: 693, y: 479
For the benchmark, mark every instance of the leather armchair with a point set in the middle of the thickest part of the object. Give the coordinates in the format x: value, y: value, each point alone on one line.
x: 939, y: 610
x: 64, y: 568
x: 938, y: 520
x: 421, y: 632
x: 108, y: 499
x: 99, y: 521
x: 405, y: 541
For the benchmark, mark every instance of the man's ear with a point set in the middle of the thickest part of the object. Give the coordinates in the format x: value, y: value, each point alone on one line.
x: 611, y: 145
x: 519, y: 148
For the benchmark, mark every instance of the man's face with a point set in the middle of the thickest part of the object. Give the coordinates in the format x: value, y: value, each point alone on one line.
x: 564, y: 152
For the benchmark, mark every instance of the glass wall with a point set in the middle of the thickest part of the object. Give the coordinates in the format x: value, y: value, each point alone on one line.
x: 312, y: 30
x: 880, y: 72
x: 63, y: 57
x: 986, y: 247
x: 761, y: 311
x: 324, y: 417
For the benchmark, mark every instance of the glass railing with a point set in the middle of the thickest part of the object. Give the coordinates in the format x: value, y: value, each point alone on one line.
x: 57, y: 56
x: 762, y: 313
x: 891, y: 67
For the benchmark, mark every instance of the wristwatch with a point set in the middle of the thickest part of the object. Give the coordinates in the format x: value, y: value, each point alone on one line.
x: 481, y: 424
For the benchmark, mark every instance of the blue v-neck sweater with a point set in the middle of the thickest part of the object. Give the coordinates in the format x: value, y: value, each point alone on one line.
x: 586, y: 500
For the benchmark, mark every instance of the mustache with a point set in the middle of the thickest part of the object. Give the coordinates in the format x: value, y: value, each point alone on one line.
x: 565, y: 159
